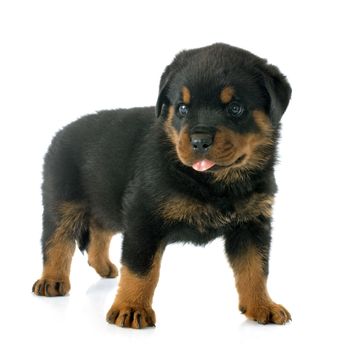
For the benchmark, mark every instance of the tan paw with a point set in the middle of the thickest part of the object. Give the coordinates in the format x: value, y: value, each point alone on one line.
x: 105, y: 269
x: 131, y: 316
x: 268, y: 313
x: 51, y: 287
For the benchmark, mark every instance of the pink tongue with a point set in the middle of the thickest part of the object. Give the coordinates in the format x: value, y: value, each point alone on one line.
x: 203, y: 165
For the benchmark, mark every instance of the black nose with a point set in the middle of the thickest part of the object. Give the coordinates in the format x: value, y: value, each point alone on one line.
x: 201, y: 142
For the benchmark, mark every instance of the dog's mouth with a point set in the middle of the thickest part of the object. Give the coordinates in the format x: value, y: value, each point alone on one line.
x: 209, y: 165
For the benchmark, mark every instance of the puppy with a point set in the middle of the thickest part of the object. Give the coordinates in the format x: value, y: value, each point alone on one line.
x: 197, y: 166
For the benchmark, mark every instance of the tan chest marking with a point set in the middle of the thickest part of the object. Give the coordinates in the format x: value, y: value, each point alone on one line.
x: 204, y: 215
x: 193, y: 212
x: 256, y: 205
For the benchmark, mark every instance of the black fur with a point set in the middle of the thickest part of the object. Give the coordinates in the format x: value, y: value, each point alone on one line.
x: 121, y: 165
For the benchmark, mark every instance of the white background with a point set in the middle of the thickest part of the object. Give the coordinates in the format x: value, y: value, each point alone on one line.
x: 62, y: 59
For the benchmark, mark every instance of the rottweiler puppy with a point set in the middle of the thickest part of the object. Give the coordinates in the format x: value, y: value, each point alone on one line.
x: 197, y: 166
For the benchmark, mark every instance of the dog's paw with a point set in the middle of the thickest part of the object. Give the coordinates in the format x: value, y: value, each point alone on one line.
x: 131, y: 316
x: 269, y: 313
x: 106, y: 269
x: 51, y: 287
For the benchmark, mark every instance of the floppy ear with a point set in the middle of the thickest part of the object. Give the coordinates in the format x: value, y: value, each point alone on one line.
x: 163, y: 89
x: 279, y: 91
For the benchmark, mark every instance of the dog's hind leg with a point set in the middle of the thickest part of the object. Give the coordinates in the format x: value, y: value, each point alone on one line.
x: 61, y: 228
x: 98, y: 251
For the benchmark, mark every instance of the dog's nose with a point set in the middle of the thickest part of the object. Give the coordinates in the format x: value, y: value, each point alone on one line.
x: 201, y: 142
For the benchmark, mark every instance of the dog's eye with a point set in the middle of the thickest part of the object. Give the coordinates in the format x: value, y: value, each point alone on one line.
x: 183, y: 110
x: 235, y: 109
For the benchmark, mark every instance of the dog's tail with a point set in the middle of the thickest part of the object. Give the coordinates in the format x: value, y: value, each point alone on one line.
x: 83, y: 238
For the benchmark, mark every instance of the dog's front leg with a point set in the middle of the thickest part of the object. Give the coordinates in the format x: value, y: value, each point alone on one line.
x: 139, y: 275
x: 247, y: 248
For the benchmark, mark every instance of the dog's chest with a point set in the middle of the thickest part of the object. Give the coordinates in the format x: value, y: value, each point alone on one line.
x: 210, y: 216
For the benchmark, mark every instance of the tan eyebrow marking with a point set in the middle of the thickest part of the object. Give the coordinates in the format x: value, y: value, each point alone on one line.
x: 186, y: 95
x: 226, y: 94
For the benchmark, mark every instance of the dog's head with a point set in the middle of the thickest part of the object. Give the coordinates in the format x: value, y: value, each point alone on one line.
x: 221, y: 106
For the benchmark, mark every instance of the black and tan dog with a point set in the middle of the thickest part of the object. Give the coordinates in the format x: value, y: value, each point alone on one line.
x: 203, y: 168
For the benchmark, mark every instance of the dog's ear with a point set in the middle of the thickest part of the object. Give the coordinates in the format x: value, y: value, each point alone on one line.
x: 279, y: 91
x: 162, y: 100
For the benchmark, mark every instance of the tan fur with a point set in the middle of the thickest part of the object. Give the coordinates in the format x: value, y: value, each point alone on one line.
x: 193, y: 212
x: 135, y: 296
x: 168, y: 127
x: 255, y: 147
x: 184, y: 148
x: 186, y: 95
x: 227, y: 94
x: 58, y: 263
x: 254, y: 299
x: 71, y: 214
x: 254, y: 206
x: 98, y: 251
x: 59, y: 251
x: 204, y: 215
x: 179, y: 140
